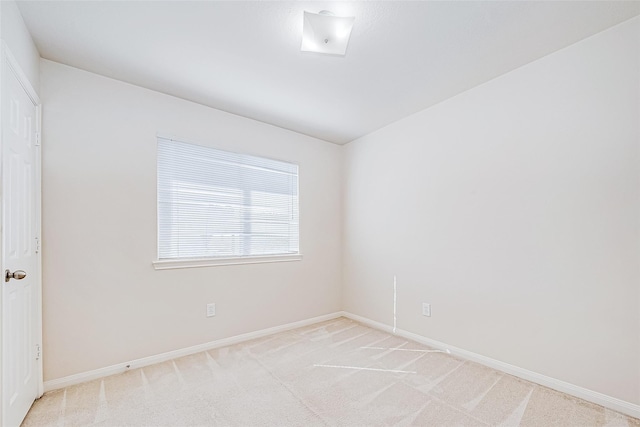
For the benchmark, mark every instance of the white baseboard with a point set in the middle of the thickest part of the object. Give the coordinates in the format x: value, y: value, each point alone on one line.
x: 565, y: 387
x: 146, y: 361
x: 619, y: 405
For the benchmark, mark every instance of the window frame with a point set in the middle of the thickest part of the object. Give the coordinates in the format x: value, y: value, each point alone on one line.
x: 196, y: 262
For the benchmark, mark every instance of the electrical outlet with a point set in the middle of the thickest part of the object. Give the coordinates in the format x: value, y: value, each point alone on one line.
x: 211, y: 309
x: 426, y: 309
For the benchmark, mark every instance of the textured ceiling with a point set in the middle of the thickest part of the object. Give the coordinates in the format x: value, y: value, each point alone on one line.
x: 245, y: 58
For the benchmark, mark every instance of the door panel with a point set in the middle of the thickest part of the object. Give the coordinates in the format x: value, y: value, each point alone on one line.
x: 19, y: 224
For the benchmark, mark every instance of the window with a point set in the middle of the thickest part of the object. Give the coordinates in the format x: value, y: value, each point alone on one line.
x: 217, y: 204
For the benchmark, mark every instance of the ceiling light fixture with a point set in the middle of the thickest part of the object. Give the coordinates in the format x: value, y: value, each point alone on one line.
x: 325, y: 33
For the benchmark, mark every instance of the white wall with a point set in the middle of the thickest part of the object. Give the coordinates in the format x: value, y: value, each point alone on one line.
x: 103, y: 301
x: 14, y: 33
x: 514, y: 209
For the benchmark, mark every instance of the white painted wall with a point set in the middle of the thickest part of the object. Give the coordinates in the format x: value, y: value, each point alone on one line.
x: 514, y: 209
x: 104, y: 302
x: 14, y: 33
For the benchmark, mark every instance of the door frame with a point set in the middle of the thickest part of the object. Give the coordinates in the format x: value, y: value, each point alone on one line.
x: 8, y: 64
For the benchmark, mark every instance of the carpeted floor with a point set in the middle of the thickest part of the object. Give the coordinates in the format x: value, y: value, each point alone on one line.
x: 337, y: 372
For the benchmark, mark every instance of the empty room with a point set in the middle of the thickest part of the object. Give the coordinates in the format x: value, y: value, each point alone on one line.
x: 291, y: 213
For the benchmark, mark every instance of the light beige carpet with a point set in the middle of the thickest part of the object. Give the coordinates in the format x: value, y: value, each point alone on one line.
x: 333, y: 373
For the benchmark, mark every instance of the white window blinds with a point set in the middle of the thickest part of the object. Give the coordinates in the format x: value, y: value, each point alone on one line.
x: 214, y: 203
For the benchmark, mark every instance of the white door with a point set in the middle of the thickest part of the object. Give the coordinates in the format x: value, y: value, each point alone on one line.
x: 20, y: 264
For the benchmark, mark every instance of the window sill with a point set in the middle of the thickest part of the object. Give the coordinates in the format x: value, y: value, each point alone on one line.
x: 166, y: 264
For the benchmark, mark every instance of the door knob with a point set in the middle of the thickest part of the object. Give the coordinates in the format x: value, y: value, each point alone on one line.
x: 18, y: 275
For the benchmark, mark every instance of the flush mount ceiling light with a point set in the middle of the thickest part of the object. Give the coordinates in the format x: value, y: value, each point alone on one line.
x: 325, y: 33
